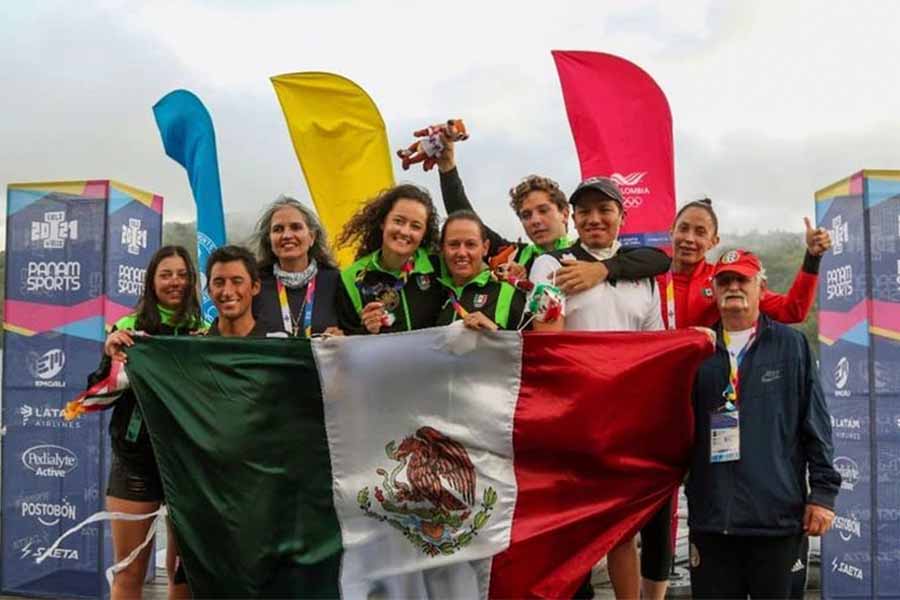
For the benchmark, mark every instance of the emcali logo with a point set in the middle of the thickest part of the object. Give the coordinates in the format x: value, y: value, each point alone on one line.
x: 54, y: 230
x: 133, y: 237
x: 46, y: 366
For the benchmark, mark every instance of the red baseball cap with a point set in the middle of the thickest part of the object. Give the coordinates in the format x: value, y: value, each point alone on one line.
x: 740, y: 261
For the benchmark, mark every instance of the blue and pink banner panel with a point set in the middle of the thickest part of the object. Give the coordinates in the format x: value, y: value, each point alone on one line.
x: 72, y: 251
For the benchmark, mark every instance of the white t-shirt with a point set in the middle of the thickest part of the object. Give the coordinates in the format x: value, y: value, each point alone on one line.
x: 737, y: 340
x: 625, y: 306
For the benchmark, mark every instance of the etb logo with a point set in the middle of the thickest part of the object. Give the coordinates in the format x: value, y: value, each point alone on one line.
x: 133, y: 237
x: 54, y: 230
x: 840, y: 234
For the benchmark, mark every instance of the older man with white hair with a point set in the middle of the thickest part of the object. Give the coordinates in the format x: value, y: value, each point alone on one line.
x: 761, y: 424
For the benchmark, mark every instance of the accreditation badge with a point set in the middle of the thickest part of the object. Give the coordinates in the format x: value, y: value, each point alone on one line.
x: 725, y: 436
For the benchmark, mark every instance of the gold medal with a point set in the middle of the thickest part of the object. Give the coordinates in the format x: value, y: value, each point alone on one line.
x: 389, y: 298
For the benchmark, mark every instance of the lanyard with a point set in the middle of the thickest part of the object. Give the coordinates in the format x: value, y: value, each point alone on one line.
x: 670, y: 300
x: 460, y: 311
x: 731, y: 390
x: 286, y: 317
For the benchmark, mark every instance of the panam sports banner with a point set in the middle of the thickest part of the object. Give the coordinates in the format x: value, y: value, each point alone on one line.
x: 437, y: 463
x: 622, y: 127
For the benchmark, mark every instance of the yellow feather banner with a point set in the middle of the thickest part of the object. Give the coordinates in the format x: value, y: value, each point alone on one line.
x: 341, y: 143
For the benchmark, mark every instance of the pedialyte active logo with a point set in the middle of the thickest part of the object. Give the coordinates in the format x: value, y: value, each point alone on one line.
x: 841, y: 376
x: 48, y: 460
x: 849, y: 471
x: 633, y: 192
x: 54, y: 230
x: 49, y: 514
x: 45, y: 367
x: 134, y: 238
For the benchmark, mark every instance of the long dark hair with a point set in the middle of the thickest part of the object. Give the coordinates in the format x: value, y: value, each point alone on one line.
x: 187, y: 315
x: 365, y: 227
x: 319, y: 249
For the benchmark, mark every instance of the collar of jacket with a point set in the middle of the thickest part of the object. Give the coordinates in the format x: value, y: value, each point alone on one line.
x: 763, y: 324
x: 481, y: 280
x: 421, y: 263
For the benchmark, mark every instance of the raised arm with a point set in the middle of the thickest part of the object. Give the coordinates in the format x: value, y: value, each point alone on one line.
x: 454, y: 196
x: 794, y: 306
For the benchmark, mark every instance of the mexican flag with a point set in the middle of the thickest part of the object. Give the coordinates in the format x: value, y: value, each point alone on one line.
x: 436, y: 463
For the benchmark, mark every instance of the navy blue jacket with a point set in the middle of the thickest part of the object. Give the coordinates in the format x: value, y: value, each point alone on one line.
x: 785, y: 430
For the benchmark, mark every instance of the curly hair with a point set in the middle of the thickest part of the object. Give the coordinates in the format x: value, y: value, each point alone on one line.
x: 188, y: 312
x: 364, y: 229
x: 536, y: 183
x: 263, y: 240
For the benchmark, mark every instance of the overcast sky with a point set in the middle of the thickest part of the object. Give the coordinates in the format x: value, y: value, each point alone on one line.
x: 770, y: 100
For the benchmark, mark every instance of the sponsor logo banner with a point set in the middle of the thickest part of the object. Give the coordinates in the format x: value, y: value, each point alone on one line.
x: 48, y: 460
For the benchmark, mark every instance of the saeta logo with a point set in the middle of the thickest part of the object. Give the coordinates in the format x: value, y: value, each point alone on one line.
x: 47, y: 366
x: 849, y: 471
x: 841, y: 373
x: 630, y: 179
x: 30, y: 552
x: 48, y: 460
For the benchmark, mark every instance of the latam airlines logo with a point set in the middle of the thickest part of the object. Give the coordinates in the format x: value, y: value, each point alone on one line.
x: 54, y: 230
x: 47, y: 460
x: 841, y: 376
x: 46, y: 416
x: 133, y: 237
x: 630, y: 185
x: 840, y: 234
x: 45, y: 367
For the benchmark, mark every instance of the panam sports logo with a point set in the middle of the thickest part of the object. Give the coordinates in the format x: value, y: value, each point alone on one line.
x: 630, y: 185
x: 47, y: 460
x: 54, y: 230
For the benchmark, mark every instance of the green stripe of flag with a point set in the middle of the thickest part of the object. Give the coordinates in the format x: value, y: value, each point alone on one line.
x: 239, y: 434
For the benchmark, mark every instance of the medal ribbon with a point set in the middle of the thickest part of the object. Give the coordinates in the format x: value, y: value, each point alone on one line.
x: 308, y: 300
x: 460, y: 311
x: 731, y: 391
x: 670, y: 300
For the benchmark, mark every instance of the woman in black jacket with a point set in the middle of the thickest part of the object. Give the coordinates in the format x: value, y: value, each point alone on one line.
x: 298, y: 274
x: 169, y: 305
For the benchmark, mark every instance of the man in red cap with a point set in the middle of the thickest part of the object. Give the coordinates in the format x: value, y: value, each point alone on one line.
x: 761, y: 424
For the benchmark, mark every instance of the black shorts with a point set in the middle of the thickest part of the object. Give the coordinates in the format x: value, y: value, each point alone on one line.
x: 135, y: 480
x: 656, y: 544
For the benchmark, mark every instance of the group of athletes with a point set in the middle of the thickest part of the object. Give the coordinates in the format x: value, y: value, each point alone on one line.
x: 411, y: 272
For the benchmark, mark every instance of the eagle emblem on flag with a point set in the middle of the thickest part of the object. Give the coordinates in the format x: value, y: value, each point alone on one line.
x: 433, y: 507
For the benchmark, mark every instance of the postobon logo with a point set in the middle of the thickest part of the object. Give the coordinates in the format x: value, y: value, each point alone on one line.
x: 847, y: 527
x: 849, y: 471
x: 630, y: 185
x: 133, y: 237
x: 48, y: 460
x: 44, y: 367
x: 841, y: 376
x: 54, y: 230
x: 47, y: 513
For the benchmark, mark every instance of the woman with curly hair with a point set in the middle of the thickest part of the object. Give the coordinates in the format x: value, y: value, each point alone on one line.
x: 298, y: 275
x: 393, y: 284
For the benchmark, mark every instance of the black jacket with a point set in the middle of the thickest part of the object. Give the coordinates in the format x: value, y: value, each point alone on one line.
x: 267, y: 310
x: 638, y: 263
x: 785, y: 429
